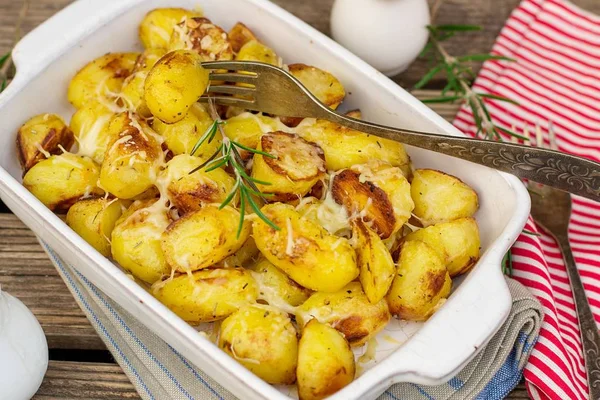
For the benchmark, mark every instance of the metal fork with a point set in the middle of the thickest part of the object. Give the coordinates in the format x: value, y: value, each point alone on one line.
x: 551, y: 209
x: 275, y: 91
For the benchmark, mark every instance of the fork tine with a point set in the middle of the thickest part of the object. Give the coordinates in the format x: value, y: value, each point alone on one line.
x: 229, y: 101
x: 233, y: 77
x: 229, y: 89
x: 249, y: 66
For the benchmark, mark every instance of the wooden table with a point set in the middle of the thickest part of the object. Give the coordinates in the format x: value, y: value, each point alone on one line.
x: 80, y: 366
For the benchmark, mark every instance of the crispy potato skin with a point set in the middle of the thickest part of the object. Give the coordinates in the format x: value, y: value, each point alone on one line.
x: 322, y: 84
x: 202, y: 238
x: 42, y: 133
x: 297, y: 166
x: 262, y: 339
x: 61, y: 180
x: 239, y: 35
x: 208, y: 295
x: 440, y: 197
x: 132, y: 92
x: 456, y: 242
x: 421, y: 284
x: 135, y: 241
x: 325, y: 362
x: 174, y: 84
x: 157, y: 26
x: 275, y: 286
x: 132, y: 157
x: 94, y: 220
x: 347, y: 310
x: 304, y: 250
x: 345, y: 147
x: 102, y: 77
x: 181, y: 136
x: 189, y: 192
x: 208, y: 40
x: 256, y: 51
x: 90, y: 126
x: 377, y: 268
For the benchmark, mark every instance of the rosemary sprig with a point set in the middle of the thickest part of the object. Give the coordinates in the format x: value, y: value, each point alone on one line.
x: 228, y: 155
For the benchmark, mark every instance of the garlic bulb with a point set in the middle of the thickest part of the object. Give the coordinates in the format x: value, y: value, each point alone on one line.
x: 23, y: 350
x: 388, y: 34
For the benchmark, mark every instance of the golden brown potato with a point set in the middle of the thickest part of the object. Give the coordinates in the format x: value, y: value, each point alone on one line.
x: 189, y: 192
x: 94, y: 220
x: 132, y: 92
x: 345, y: 147
x: 132, y: 159
x: 456, y: 242
x: 295, y: 167
x: 90, y: 125
x: 256, y: 51
x: 377, y: 269
x: 136, y: 241
x: 101, y: 79
x: 440, y: 197
x: 174, y: 84
x: 377, y: 193
x: 202, y: 238
x: 421, y: 285
x: 207, y: 295
x: 325, y: 362
x: 262, y: 339
x: 182, y: 136
x: 59, y: 181
x: 321, y: 83
x: 304, y: 250
x: 40, y: 137
x: 208, y: 40
x: 347, y: 310
x: 247, y: 128
x: 239, y: 35
x: 157, y: 26
x: 247, y: 254
x: 276, y: 288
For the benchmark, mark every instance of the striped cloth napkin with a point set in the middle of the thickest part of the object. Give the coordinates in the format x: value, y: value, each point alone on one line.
x: 556, y: 79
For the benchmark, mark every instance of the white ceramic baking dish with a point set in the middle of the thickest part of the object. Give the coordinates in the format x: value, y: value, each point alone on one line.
x: 430, y: 353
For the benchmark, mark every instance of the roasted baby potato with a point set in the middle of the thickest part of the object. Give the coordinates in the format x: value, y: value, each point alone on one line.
x: 347, y: 310
x: 174, y: 84
x: 208, y: 40
x: 375, y: 192
x: 94, y: 220
x: 59, y: 181
x: 132, y: 92
x: 239, y: 35
x: 132, y: 159
x: 247, y: 128
x: 421, y: 285
x: 256, y: 51
x: 207, y: 295
x: 377, y: 268
x: 276, y: 288
x: 101, y: 79
x: 189, y: 192
x: 90, y: 126
x: 440, y: 197
x: 325, y: 362
x: 202, y: 238
x: 304, y: 250
x: 41, y: 136
x: 136, y: 241
x: 262, y: 339
x: 456, y: 242
x: 294, y: 166
x: 345, y: 147
x: 182, y: 136
x: 321, y: 83
x: 157, y: 26
x: 247, y: 254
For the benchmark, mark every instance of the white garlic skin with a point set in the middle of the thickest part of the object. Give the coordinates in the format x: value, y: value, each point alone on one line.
x: 23, y: 350
x: 388, y: 34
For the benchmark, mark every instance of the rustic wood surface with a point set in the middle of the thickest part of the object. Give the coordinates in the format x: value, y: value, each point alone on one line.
x: 80, y: 366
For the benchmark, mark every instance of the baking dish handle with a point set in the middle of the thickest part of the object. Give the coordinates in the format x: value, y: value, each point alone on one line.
x: 51, y: 38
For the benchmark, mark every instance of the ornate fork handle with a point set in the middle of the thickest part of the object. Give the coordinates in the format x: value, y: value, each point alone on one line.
x: 563, y: 171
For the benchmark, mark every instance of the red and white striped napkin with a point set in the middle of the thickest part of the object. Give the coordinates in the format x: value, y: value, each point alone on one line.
x: 556, y: 78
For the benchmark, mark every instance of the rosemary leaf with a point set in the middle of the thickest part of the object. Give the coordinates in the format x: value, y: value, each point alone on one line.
x: 3, y: 85
x: 443, y: 99
x: 499, y: 98
x: 527, y: 232
x: 251, y: 150
x: 209, y: 135
x: 3, y: 58
x: 242, y: 212
x: 231, y: 195
x: 458, y: 28
x: 511, y: 133
x: 257, y: 209
x: 428, y: 76
x: 507, y: 263
x: 483, y: 57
